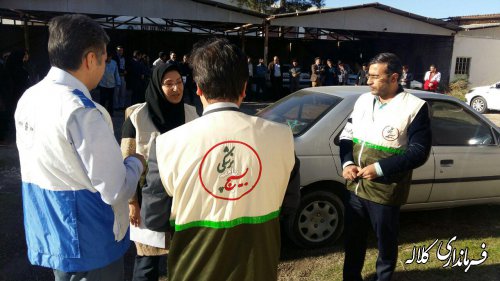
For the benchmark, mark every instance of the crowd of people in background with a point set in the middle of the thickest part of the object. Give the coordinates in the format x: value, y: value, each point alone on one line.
x: 288, y: 78
x: 17, y: 73
x: 174, y: 168
x: 126, y: 78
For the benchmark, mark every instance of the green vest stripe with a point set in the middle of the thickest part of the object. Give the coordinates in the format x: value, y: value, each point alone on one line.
x: 226, y: 224
x: 379, y: 147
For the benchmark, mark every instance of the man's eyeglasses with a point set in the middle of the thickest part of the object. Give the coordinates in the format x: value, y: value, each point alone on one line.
x: 171, y: 85
x: 376, y: 77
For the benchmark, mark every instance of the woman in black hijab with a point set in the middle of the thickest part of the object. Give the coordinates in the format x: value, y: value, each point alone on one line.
x: 163, y: 110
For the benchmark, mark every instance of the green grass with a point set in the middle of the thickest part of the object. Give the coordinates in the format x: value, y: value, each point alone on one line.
x: 472, y: 226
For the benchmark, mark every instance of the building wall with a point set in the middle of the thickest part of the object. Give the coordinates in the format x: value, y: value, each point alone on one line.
x: 482, y: 46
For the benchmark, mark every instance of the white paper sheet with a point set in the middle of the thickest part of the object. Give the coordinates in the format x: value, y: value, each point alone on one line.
x: 145, y: 236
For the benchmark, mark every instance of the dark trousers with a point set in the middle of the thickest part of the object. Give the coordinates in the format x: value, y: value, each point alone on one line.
x: 111, y: 272
x: 106, y: 98
x: 260, y: 86
x: 384, y: 220
x: 146, y: 268
x: 138, y: 90
x: 250, y: 96
x: 294, y: 84
x: 277, y: 86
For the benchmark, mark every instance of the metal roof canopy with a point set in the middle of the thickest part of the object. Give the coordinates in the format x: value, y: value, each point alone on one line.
x: 218, y: 18
x: 212, y: 17
x: 193, y: 10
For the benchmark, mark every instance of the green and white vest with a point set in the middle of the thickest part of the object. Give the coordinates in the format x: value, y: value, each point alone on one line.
x: 380, y: 138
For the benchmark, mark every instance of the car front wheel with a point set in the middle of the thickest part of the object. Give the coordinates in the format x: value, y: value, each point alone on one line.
x: 479, y: 104
x: 319, y: 221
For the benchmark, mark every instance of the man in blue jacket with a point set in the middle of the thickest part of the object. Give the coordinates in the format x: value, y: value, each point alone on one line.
x: 75, y: 182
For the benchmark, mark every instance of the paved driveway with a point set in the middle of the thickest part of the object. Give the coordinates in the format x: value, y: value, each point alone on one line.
x: 495, y: 117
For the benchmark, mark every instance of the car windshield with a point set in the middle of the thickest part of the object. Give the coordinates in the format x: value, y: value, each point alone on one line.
x: 301, y: 110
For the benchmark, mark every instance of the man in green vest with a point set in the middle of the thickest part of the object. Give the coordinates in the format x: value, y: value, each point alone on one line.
x: 387, y: 136
x: 230, y: 177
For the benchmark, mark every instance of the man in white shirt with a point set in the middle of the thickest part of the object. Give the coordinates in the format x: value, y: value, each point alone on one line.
x: 162, y: 57
x: 75, y: 183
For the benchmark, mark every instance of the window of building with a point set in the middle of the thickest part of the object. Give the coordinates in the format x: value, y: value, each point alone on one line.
x: 462, y: 65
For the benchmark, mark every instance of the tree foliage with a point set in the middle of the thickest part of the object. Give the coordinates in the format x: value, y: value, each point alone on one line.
x: 268, y: 6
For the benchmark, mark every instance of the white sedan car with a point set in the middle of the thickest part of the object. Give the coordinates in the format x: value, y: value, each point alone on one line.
x: 462, y: 169
x: 484, y: 98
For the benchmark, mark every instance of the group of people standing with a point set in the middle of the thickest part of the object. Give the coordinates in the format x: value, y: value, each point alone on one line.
x: 212, y: 181
x: 321, y: 74
x: 125, y: 80
x: 329, y: 74
x: 208, y: 190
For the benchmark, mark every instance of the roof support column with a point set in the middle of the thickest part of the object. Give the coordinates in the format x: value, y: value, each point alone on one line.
x: 266, y: 40
x: 26, y: 34
x: 243, y: 38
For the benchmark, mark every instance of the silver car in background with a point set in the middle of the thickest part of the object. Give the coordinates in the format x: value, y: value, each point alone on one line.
x: 463, y: 167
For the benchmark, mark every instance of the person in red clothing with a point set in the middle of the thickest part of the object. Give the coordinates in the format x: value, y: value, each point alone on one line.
x: 431, y: 79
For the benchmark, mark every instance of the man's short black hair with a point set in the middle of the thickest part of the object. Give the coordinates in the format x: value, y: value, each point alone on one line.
x: 72, y: 37
x: 393, y: 63
x: 161, y: 54
x: 220, y: 69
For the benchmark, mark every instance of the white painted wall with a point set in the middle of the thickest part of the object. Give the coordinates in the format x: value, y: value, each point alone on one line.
x: 483, y: 47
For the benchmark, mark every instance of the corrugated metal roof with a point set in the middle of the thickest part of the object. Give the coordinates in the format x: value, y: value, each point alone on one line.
x: 480, y: 25
x: 433, y: 21
x: 477, y: 16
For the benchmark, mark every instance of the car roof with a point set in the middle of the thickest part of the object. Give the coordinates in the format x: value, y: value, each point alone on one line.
x: 353, y: 92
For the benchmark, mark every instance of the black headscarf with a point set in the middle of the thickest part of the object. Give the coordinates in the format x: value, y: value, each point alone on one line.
x: 165, y: 115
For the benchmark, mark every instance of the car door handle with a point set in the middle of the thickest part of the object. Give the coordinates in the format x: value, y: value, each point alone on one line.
x: 446, y: 163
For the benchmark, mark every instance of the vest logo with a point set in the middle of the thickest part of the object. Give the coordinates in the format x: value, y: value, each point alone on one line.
x: 390, y: 133
x: 230, y: 170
